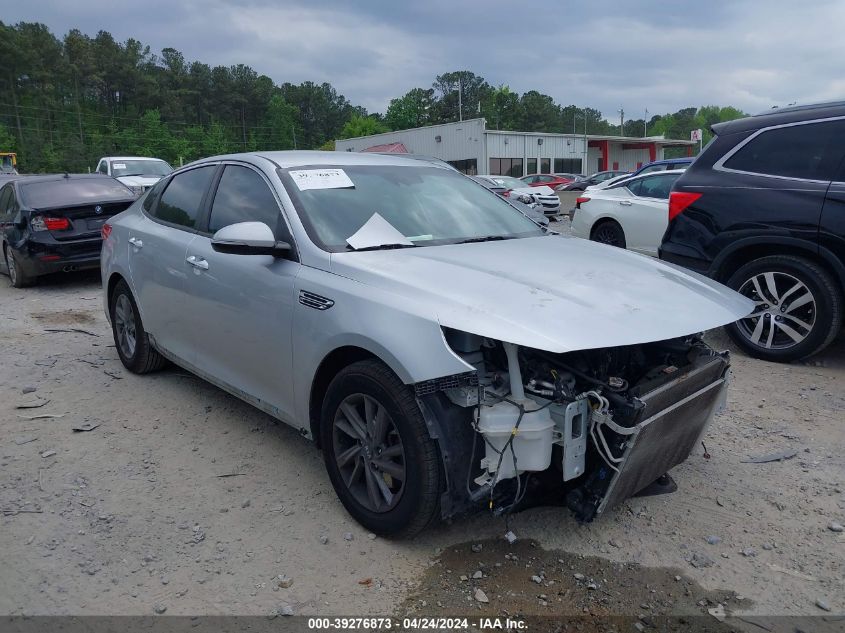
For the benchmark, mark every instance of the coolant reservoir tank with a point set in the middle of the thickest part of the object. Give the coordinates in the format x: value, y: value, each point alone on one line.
x: 532, y: 445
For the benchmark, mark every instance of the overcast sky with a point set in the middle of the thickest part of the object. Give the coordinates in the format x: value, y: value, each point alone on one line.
x: 640, y: 54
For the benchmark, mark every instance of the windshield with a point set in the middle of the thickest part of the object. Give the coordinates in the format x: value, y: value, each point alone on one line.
x: 135, y: 167
x: 509, y: 181
x: 427, y: 205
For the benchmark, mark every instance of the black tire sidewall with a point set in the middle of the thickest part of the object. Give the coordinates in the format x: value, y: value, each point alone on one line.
x: 356, y: 379
x: 133, y: 363
x: 817, y: 286
x: 612, y: 225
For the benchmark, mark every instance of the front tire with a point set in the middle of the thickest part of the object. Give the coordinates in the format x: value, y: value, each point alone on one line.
x: 798, y: 308
x: 381, y: 460
x: 131, y: 340
x: 609, y: 232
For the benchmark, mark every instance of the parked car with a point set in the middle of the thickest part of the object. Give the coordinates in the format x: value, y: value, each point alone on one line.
x: 645, y: 169
x: 525, y: 204
x: 139, y: 173
x: 52, y: 223
x: 762, y: 209
x: 578, y: 183
x: 665, y: 165
x: 410, y: 323
x: 632, y: 214
x: 544, y: 197
x: 596, y: 178
x: 552, y: 181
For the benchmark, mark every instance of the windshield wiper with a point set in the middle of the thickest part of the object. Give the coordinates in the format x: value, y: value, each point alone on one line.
x: 382, y: 247
x: 485, y: 238
x: 130, y: 175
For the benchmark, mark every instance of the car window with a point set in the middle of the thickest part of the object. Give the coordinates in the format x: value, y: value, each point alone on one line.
x: 5, y: 198
x: 656, y: 186
x: 69, y: 191
x: 180, y: 202
x: 428, y: 205
x: 810, y: 151
x: 633, y: 186
x: 242, y: 196
x: 103, y: 168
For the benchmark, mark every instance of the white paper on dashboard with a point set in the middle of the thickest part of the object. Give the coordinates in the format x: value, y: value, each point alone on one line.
x: 119, y: 166
x: 307, y: 179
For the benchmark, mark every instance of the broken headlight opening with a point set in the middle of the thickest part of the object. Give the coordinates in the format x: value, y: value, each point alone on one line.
x: 585, y: 429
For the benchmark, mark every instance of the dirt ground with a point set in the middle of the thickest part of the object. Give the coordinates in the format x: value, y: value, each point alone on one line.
x: 184, y: 500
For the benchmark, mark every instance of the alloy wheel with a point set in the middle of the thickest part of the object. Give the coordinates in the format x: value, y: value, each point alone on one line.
x: 10, y: 266
x: 368, y: 452
x: 784, y: 313
x: 124, y: 320
x: 607, y: 235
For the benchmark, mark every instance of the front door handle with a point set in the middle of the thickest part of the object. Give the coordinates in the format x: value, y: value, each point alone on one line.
x: 136, y: 242
x: 625, y: 203
x: 197, y: 262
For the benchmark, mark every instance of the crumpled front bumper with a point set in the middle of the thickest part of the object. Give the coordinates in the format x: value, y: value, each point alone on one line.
x: 675, y: 417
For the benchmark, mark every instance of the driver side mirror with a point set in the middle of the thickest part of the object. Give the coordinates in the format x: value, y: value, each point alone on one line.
x: 249, y: 238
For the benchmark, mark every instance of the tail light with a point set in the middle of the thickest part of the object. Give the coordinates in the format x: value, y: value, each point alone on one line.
x: 679, y: 201
x: 105, y: 231
x: 41, y: 223
x: 581, y: 200
x: 507, y: 194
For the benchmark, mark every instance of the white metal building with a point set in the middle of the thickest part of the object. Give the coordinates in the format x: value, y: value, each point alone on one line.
x: 473, y: 149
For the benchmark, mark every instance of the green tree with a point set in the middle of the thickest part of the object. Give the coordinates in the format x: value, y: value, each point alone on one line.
x: 414, y: 109
x: 362, y: 126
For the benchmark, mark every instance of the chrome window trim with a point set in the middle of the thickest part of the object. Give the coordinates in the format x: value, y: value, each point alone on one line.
x: 719, y: 165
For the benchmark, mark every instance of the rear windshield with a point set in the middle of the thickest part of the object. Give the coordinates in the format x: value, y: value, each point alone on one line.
x: 68, y: 192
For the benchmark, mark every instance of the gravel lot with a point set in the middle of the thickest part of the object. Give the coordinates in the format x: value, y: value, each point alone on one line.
x: 186, y: 499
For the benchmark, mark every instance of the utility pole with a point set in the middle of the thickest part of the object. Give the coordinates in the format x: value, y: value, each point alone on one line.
x: 621, y: 112
x: 645, y: 123
x: 460, y: 104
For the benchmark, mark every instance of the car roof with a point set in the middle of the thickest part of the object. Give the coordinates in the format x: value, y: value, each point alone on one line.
x: 35, y: 178
x: 306, y: 158
x: 132, y: 158
x: 781, y: 116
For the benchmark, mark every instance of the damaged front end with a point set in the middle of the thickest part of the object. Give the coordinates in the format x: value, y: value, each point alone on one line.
x: 587, y: 429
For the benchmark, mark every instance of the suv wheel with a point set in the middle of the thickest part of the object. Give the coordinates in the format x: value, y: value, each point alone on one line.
x: 798, y: 308
x: 381, y: 460
x: 609, y: 232
x: 133, y: 345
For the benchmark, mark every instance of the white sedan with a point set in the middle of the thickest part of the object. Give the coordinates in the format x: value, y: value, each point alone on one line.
x: 632, y: 214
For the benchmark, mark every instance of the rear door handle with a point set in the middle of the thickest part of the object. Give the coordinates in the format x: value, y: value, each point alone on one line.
x: 197, y: 262
x: 136, y: 242
x: 625, y: 203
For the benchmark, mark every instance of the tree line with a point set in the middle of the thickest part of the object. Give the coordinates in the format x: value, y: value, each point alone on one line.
x: 66, y: 102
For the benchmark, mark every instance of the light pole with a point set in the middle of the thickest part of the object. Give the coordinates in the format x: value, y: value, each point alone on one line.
x: 621, y: 112
x: 645, y: 124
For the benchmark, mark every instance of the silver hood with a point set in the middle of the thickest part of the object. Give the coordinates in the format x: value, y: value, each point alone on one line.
x: 139, y: 181
x: 555, y: 293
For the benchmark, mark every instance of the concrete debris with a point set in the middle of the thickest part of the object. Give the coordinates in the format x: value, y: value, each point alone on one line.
x: 821, y: 604
x: 476, y: 547
x: 480, y: 596
x: 348, y: 536
x: 835, y: 527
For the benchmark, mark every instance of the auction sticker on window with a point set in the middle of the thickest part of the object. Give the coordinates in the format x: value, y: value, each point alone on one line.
x: 307, y: 179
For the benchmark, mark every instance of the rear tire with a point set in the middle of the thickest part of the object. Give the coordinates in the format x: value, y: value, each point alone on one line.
x: 131, y: 340
x: 16, y: 274
x: 372, y: 433
x: 608, y: 232
x: 798, y: 311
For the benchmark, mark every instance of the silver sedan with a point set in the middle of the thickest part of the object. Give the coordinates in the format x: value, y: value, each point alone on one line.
x: 442, y: 349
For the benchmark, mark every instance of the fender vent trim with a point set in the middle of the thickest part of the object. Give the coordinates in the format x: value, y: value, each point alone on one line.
x: 311, y: 300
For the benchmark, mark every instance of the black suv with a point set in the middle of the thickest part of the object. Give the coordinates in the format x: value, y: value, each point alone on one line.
x: 762, y: 210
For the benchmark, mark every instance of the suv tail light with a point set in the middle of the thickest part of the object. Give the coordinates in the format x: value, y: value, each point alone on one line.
x: 105, y: 231
x: 679, y: 201
x: 507, y: 194
x: 581, y: 200
x: 42, y: 223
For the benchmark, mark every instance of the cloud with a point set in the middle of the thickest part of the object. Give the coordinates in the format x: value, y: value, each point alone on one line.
x: 605, y: 54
